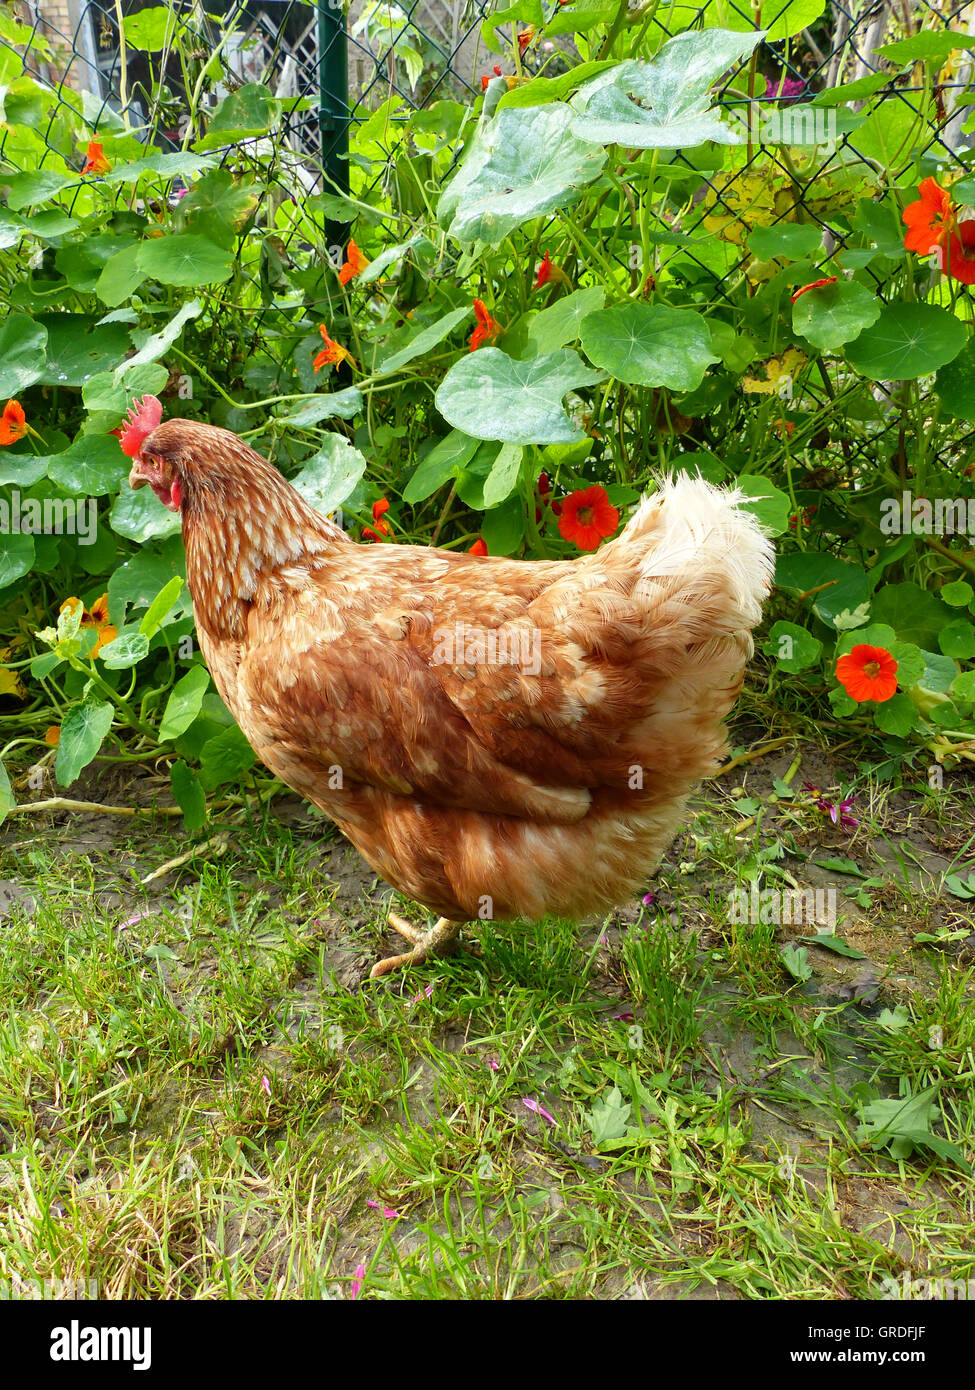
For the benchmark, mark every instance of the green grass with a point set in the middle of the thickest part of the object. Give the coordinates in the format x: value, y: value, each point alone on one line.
x: 200, y: 1091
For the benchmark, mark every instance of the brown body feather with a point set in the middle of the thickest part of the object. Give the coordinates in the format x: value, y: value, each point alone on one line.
x: 498, y: 738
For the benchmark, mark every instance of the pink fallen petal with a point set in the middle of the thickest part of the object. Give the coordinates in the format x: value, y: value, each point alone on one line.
x: 389, y: 1213
x: 627, y: 1016
x: 536, y: 1109
x: 494, y: 1064
x: 357, y: 1278
x: 424, y: 995
x: 265, y: 1085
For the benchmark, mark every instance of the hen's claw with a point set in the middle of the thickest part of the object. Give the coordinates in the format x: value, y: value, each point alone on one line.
x: 439, y: 940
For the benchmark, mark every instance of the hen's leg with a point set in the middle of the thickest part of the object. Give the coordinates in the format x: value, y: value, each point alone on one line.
x: 440, y: 940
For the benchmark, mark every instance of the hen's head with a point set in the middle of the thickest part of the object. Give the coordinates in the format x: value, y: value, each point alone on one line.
x: 149, y: 464
x: 186, y: 459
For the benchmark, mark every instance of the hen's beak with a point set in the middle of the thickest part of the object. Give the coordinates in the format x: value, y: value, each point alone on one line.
x: 137, y: 475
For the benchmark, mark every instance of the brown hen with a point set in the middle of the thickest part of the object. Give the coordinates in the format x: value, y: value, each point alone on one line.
x: 498, y: 738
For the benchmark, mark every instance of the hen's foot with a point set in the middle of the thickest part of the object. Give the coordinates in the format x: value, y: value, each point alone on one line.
x: 438, y: 940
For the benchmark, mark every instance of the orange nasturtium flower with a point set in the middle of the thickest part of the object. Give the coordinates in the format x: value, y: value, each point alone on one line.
x: 487, y: 328
x: 930, y: 219
x: 588, y: 517
x: 355, y: 263
x: 383, y: 528
x: 816, y: 285
x: 867, y: 673
x: 547, y: 271
x: 95, y: 616
x: 52, y: 735
x: 332, y: 352
x: 13, y: 423
x: 525, y: 37
x: 479, y: 547
x: 96, y: 163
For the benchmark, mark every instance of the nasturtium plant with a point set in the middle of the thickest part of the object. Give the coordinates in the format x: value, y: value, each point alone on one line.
x: 662, y: 243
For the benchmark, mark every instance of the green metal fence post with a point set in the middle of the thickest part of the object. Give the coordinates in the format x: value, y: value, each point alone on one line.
x: 333, y: 77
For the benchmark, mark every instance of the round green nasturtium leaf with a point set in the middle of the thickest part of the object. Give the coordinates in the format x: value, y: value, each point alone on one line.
x: 559, y: 324
x: 786, y: 240
x: 767, y: 502
x: 793, y: 648
x: 126, y: 650
x: 915, y: 613
x: 910, y: 663
x: 100, y: 392
x: 189, y: 795
x: 524, y: 163
x: 955, y: 384
x: 76, y: 350
x: 959, y: 593
x: 964, y: 686
x: 503, y: 527
x: 16, y: 557
x: 873, y: 635
x: 326, y: 479
x: 184, y: 703
x: 842, y: 704
x: 667, y: 102
x: 957, y: 639
x: 835, y: 314
x: 150, y: 29
x: 939, y: 672
x: 896, y: 716
x: 907, y: 341
x: 786, y: 18
x: 185, y: 260
x: 93, y: 465
x: 22, y: 354
x: 82, y: 731
x: 803, y: 572
x: 121, y: 275
x: 489, y: 395
x: 140, y: 516
x: 649, y: 345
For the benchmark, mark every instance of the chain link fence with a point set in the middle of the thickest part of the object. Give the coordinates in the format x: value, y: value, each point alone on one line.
x: 808, y: 156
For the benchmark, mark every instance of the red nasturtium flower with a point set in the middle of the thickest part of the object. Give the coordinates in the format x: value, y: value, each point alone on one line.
x: 355, y: 263
x: 479, y: 547
x: 487, y: 328
x: 96, y: 163
x: 486, y: 78
x: 525, y: 37
x: 867, y: 673
x: 332, y: 352
x: 13, y: 423
x: 961, y: 253
x: 816, y: 285
x: 544, y: 273
x: 588, y: 517
x: 930, y: 219
x: 382, y: 528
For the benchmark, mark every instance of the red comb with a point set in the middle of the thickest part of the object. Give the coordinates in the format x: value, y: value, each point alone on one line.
x: 143, y: 418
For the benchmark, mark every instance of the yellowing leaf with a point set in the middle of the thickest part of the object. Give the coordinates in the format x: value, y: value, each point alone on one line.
x: 779, y: 374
